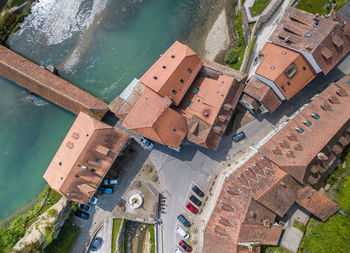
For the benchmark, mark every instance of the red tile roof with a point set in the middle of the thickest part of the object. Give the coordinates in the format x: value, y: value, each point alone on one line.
x: 323, y: 38
x: 84, y: 158
x: 172, y: 74
x: 316, y: 203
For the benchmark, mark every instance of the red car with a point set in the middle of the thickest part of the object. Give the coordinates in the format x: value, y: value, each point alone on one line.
x: 190, y: 207
x: 185, y: 246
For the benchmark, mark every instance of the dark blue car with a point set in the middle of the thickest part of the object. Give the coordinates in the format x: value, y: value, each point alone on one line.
x: 82, y: 215
x: 238, y: 137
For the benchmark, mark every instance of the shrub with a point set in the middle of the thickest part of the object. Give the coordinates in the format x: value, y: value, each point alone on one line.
x: 232, y: 56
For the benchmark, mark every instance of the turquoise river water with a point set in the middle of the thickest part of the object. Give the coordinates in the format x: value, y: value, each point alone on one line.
x: 98, y: 45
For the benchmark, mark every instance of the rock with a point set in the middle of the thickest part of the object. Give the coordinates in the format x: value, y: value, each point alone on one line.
x: 52, y: 69
x: 35, y: 234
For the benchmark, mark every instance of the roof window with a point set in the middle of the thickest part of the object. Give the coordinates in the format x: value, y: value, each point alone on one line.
x: 174, y: 129
x: 308, y: 35
x: 315, y: 116
x: 283, y: 87
x: 284, y: 52
x: 189, y: 70
x: 182, y: 81
x: 348, y: 81
x: 188, y: 103
x: 92, y: 170
x: 288, y: 83
x: 291, y: 70
x: 299, y: 130
x: 98, y: 160
x: 195, y: 90
x: 173, y: 56
x: 174, y: 92
x: 316, y: 24
x: 304, y: 68
x: 272, y: 67
x: 307, y: 123
x: 164, y: 67
x: 60, y: 164
x: 155, y: 78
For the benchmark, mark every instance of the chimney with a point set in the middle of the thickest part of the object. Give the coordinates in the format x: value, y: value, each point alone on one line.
x: 308, y: 48
x: 290, y: 154
x: 267, y: 223
x: 218, y: 130
x: 314, y: 169
x: 194, y: 128
x: 322, y: 156
x: 343, y: 141
x: 283, y: 184
x: 70, y: 145
x: 286, y: 39
x: 225, y: 222
x: 206, y: 113
x: 232, y: 191
x: 337, y: 150
x: 75, y: 135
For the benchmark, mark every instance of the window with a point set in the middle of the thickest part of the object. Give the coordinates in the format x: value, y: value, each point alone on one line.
x: 283, y: 87
x: 307, y: 123
x: 304, y: 68
x: 284, y: 52
x: 173, y: 56
x: 98, y: 160
x: 189, y: 70
x: 174, y: 92
x: 272, y: 67
x: 182, y: 81
x: 348, y: 81
x: 291, y: 70
x: 195, y: 90
x: 60, y: 164
x: 164, y: 67
x: 93, y: 170
x: 299, y: 130
x: 308, y: 35
x: 174, y: 129
x: 316, y: 24
x: 155, y: 78
x: 288, y: 83
x: 315, y: 116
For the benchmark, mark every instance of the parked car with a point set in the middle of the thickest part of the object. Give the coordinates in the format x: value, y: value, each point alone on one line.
x: 182, y: 232
x: 147, y: 142
x: 184, y: 221
x: 86, y: 208
x: 93, y: 201
x: 175, y: 149
x: 198, y: 191
x: 82, y: 215
x: 196, y: 201
x: 185, y: 246
x: 238, y: 137
x: 105, y: 189
x: 96, y: 244
x: 110, y: 181
x: 178, y: 250
x: 191, y: 207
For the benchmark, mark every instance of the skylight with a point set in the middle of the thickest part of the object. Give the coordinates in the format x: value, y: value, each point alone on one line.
x: 299, y: 130
x: 315, y: 116
x: 307, y: 123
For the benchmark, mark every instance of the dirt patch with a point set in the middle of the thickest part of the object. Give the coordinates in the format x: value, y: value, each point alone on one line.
x: 135, y: 236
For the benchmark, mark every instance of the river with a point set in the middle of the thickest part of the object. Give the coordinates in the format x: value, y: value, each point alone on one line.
x: 98, y: 45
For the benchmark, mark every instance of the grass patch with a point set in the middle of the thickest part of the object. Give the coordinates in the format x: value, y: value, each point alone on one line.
x: 150, y: 229
x: 339, y: 4
x: 299, y: 226
x: 251, y: 46
x: 258, y: 7
x: 16, y: 230
x: 234, y: 56
x: 314, y: 6
x: 65, y: 239
x: 271, y: 249
x: 116, y: 226
x: 333, y: 235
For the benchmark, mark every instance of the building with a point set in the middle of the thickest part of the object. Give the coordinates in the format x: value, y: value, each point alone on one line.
x: 181, y: 97
x: 84, y: 158
x: 301, y: 46
x: 299, y: 156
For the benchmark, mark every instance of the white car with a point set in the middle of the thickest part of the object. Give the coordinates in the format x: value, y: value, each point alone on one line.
x: 178, y: 250
x: 182, y: 232
x: 110, y: 181
x: 175, y: 149
x: 93, y: 201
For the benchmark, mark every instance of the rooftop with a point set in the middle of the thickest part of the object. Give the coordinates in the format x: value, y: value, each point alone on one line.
x: 307, y: 33
x: 84, y: 158
x: 172, y: 74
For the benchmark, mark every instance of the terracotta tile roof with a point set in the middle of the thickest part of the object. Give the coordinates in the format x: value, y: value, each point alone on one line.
x: 172, y: 74
x: 260, y: 233
x: 263, y: 93
x: 293, y: 151
x: 252, y: 249
x: 276, y: 63
x: 84, y: 158
x: 311, y: 34
x: 316, y: 203
x: 152, y: 118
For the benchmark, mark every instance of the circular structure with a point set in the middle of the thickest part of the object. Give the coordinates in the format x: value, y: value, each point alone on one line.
x: 135, y: 200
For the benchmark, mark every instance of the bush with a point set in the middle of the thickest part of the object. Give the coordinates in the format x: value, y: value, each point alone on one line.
x: 52, y: 212
x: 232, y: 56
